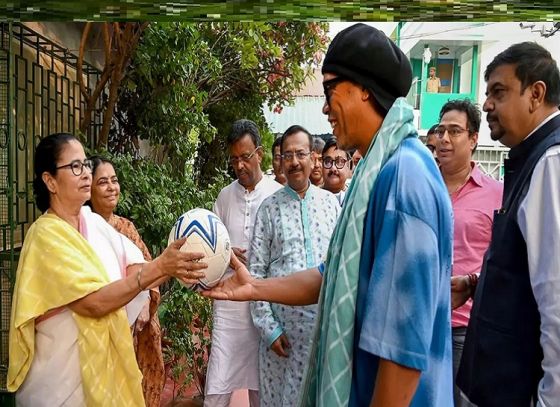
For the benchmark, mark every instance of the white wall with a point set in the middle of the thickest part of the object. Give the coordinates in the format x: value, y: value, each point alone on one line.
x: 507, y: 34
x: 494, y: 38
x: 465, y: 61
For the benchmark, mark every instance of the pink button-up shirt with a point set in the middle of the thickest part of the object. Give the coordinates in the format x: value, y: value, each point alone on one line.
x: 473, y: 212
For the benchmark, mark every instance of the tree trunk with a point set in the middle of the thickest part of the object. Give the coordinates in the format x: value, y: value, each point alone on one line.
x: 119, y: 42
x: 91, y: 99
x: 116, y: 79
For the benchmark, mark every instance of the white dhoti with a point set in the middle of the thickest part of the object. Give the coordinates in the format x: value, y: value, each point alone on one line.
x: 233, y: 360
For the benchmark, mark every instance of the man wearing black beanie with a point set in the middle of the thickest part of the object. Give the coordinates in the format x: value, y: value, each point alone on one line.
x: 384, y: 334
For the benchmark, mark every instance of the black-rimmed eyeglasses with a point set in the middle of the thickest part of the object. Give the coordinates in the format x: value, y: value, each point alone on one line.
x: 328, y: 87
x: 77, y: 166
x: 338, y: 162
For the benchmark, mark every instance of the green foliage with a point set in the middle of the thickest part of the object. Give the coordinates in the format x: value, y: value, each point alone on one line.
x: 153, y: 197
x: 311, y: 10
x: 186, y: 318
x: 187, y: 83
x: 186, y: 77
x: 222, y: 115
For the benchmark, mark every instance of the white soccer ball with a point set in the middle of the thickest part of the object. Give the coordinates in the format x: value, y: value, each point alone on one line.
x: 206, y: 234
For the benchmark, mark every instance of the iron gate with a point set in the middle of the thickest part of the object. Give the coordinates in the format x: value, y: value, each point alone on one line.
x: 39, y: 95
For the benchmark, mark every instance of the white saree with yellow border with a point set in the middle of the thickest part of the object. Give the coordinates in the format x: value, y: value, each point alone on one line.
x: 59, y: 358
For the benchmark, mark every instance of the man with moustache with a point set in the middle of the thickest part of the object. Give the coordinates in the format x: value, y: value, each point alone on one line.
x: 384, y: 331
x: 292, y: 232
x: 510, y: 357
x: 336, y: 169
x: 233, y: 362
x: 474, y: 197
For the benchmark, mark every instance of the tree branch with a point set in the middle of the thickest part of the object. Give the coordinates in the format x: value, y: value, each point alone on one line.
x: 79, y: 67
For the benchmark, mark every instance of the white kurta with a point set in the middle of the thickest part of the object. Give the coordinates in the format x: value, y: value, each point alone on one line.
x: 54, y: 378
x: 539, y: 221
x: 233, y: 362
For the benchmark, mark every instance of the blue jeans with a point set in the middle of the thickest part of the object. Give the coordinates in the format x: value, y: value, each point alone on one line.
x: 458, y: 335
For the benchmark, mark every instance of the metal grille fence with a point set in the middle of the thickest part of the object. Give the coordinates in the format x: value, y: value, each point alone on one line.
x: 491, y: 160
x: 39, y: 95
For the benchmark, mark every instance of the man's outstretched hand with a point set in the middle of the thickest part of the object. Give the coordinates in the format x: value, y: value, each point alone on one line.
x: 237, y: 288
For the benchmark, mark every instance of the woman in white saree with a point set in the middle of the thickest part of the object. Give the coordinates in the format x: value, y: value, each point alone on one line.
x: 79, y: 286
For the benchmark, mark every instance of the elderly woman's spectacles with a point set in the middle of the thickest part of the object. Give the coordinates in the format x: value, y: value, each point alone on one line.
x: 77, y: 166
x: 339, y: 162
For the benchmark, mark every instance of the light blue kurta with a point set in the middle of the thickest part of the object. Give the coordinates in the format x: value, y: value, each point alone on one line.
x: 290, y: 234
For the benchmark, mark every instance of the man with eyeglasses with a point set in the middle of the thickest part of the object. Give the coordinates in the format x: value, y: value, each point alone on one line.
x: 474, y: 197
x: 233, y: 362
x: 336, y: 169
x: 384, y: 331
x: 292, y: 232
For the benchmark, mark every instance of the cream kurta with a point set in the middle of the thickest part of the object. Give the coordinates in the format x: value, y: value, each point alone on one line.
x: 291, y: 234
x: 233, y: 360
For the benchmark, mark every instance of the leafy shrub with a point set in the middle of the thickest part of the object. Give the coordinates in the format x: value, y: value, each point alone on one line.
x: 187, y: 320
x: 153, y: 198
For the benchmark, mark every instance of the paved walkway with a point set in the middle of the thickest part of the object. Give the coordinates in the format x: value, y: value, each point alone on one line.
x: 239, y: 398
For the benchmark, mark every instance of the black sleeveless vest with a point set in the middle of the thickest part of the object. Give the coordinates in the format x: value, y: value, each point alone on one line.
x: 501, y: 363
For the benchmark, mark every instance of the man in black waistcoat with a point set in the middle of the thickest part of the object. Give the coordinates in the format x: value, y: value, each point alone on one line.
x: 512, y: 349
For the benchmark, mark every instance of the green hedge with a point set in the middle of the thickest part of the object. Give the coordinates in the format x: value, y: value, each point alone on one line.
x: 153, y: 198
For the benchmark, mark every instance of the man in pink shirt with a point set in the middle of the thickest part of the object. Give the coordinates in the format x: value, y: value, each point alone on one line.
x: 474, y: 197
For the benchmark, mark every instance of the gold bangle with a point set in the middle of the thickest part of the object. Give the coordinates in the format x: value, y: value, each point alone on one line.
x: 139, y: 276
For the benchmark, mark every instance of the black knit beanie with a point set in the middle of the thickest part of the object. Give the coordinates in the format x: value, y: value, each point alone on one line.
x: 365, y: 55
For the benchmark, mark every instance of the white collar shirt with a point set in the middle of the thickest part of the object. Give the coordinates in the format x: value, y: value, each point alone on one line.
x: 237, y: 208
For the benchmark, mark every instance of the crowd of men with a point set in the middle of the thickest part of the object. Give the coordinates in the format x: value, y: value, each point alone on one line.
x: 424, y: 282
